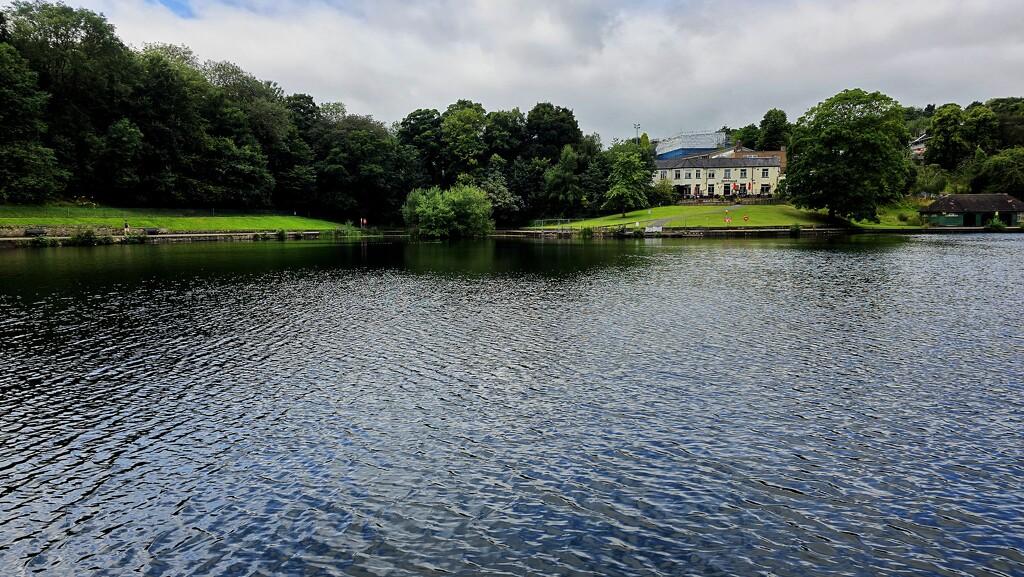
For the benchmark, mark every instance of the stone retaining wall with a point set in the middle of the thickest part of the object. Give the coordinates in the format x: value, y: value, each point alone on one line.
x: 19, y: 231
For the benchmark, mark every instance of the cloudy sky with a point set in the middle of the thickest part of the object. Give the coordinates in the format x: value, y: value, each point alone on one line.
x: 668, y: 65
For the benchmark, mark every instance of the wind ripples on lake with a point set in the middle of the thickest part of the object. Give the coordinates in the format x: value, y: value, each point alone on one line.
x: 669, y: 408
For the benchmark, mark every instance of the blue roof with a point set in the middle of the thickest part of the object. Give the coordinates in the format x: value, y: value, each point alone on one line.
x: 683, y: 152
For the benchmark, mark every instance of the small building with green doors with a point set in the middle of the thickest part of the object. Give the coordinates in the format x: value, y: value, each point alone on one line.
x: 973, y: 210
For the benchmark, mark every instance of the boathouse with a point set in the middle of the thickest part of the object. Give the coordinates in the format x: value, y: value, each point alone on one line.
x: 973, y: 210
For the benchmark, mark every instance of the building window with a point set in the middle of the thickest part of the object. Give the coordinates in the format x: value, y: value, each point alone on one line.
x: 711, y: 173
x: 688, y: 175
x: 743, y: 173
x: 697, y: 172
x: 664, y: 174
x: 766, y: 189
x: 677, y: 175
x: 711, y: 189
x: 764, y: 173
x: 728, y: 173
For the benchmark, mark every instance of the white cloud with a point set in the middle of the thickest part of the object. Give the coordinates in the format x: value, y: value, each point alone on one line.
x: 671, y: 66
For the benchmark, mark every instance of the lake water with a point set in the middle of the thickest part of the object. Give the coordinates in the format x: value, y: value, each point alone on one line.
x: 737, y: 407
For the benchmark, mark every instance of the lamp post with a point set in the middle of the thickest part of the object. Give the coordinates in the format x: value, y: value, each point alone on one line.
x: 636, y: 127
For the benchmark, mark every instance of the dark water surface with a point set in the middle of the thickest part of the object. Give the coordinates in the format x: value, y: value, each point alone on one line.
x: 768, y: 407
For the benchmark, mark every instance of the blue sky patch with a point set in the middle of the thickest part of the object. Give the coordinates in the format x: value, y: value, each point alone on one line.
x: 179, y: 7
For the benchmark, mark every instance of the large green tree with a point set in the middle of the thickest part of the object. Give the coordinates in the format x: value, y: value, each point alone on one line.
x: 774, y: 130
x: 171, y: 105
x: 747, y: 136
x: 849, y: 155
x: 421, y: 129
x: 505, y: 204
x: 630, y: 180
x: 1010, y: 116
x: 526, y: 180
x: 90, y: 74
x: 362, y: 169
x: 549, y: 128
x: 1001, y: 173
x: 562, y: 184
x: 948, y: 145
x: 957, y: 134
x: 462, y: 134
x: 505, y: 133
x: 28, y: 169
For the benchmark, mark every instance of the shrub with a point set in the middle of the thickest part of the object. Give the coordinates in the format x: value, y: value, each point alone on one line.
x: 586, y: 232
x: 903, y: 217
x: 43, y: 240
x: 995, y: 225
x: 794, y: 229
x: 461, y: 211
x: 281, y: 234
x: 915, y: 220
x: 135, y: 238
x: 85, y: 237
x: 344, y: 231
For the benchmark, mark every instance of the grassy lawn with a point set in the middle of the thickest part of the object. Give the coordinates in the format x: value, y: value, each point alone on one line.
x: 889, y: 216
x: 711, y: 216
x: 171, y: 220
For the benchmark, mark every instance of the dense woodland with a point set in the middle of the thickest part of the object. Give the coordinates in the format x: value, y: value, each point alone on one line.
x: 83, y: 116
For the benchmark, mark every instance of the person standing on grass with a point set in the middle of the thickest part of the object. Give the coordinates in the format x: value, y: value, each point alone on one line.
x: 126, y: 228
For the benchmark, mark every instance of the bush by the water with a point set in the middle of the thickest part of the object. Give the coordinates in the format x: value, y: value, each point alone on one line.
x: 88, y: 237
x: 916, y: 220
x: 344, y: 231
x: 135, y: 238
x: 462, y: 211
x: 995, y: 225
x: 43, y: 240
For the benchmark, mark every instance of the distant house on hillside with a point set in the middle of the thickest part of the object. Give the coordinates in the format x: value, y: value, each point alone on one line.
x: 974, y: 210
x: 919, y: 146
x: 700, y: 177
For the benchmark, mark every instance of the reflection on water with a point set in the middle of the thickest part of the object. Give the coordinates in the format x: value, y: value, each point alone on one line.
x: 743, y: 407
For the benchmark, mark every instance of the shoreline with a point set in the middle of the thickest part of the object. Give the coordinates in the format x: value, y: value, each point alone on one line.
x: 693, y: 232
x: 763, y: 232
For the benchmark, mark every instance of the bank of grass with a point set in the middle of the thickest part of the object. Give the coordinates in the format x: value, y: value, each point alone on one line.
x: 17, y: 216
x: 901, y: 215
x: 708, y: 216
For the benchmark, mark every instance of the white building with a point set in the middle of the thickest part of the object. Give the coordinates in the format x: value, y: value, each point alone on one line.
x: 718, y: 177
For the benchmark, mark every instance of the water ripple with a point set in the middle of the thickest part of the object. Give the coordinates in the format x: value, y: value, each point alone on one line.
x: 735, y: 408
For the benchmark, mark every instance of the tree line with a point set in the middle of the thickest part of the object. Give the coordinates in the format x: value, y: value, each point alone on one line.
x: 85, y: 116
x: 975, y: 149
x: 849, y: 153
